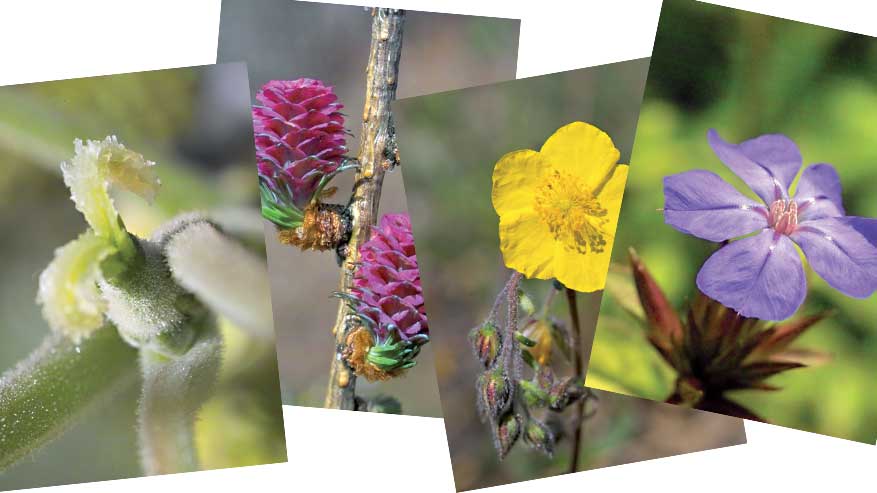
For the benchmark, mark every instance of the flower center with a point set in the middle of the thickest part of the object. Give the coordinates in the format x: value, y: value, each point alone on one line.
x: 783, y: 216
x: 571, y: 212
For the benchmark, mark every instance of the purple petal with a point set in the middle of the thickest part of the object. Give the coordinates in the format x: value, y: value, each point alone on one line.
x: 759, y: 277
x: 842, y: 251
x: 866, y: 226
x: 819, y: 193
x: 702, y: 204
x: 768, y: 164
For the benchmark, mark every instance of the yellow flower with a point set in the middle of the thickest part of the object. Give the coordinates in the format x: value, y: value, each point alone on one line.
x: 558, y: 208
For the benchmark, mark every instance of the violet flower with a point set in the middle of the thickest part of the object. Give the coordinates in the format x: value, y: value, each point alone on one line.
x: 761, y: 275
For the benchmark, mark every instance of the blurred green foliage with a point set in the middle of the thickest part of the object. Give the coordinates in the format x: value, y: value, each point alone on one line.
x: 746, y: 74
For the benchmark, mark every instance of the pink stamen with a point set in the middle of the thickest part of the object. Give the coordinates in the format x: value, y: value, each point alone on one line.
x: 783, y: 217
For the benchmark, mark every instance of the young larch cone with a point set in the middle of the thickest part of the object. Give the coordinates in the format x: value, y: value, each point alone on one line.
x: 300, y: 138
x: 388, y: 299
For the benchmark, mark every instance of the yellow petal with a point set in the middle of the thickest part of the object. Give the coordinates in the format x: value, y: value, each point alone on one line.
x: 610, y: 198
x: 527, y: 245
x: 585, y: 273
x: 583, y: 150
x: 514, y: 180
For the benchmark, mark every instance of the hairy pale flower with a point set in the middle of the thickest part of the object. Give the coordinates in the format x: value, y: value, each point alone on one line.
x: 558, y: 207
x: 300, y: 140
x: 761, y: 276
x: 96, y: 165
x: 68, y: 291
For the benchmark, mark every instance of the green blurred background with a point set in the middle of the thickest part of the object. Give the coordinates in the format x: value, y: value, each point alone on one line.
x: 284, y: 39
x: 195, y: 124
x: 450, y: 143
x: 747, y: 74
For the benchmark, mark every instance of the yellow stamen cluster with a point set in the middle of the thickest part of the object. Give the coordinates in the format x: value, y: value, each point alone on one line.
x: 571, y: 212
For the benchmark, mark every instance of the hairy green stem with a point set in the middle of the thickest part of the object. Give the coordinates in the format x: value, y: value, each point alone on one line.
x: 174, y: 389
x: 223, y: 274
x: 46, y: 393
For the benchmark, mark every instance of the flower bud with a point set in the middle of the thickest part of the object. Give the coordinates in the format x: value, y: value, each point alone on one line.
x: 539, y: 437
x: 525, y: 304
x: 533, y: 395
x: 565, y: 392
x: 494, y: 393
x: 486, y: 341
x: 506, y: 434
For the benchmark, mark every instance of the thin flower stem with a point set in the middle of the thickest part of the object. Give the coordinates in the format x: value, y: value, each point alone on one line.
x: 508, y: 333
x: 579, y: 367
x: 61, y: 380
x: 510, y: 347
x: 497, y: 303
x: 377, y: 154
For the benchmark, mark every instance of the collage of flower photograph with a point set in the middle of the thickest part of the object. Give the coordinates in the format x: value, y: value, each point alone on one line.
x: 438, y: 246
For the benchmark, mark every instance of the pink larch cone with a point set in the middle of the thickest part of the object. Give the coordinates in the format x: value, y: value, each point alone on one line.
x: 300, y: 138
